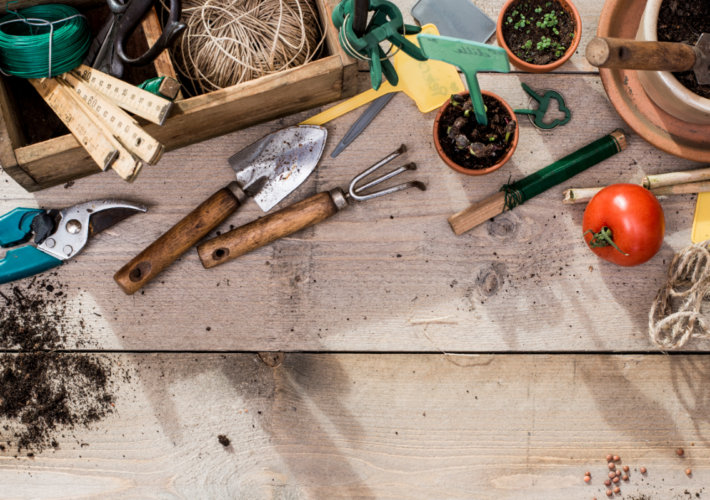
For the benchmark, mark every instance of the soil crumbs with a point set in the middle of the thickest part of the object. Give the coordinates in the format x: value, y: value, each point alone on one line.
x: 453, y: 123
x: 522, y: 33
x: 683, y: 21
x: 43, y: 392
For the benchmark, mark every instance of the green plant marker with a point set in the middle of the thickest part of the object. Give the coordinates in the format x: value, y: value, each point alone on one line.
x: 469, y: 57
x: 543, y: 104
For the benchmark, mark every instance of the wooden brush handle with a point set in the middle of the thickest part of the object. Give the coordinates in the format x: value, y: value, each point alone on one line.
x: 180, y: 238
x: 270, y: 228
x: 648, y: 56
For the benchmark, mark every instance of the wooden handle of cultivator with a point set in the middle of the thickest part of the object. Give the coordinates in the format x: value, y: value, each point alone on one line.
x: 647, y: 56
x: 180, y: 238
x: 268, y: 229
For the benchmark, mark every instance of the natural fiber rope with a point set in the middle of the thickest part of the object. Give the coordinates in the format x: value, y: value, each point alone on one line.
x: 228, y: 42
x: 689, y: 280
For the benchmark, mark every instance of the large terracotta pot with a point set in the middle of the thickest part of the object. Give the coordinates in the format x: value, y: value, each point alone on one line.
x: 455, y: 166
x: 664, y: 88
x: 545, y: 68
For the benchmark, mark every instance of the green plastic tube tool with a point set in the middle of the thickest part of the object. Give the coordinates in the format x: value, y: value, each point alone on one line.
x: 469, y: 57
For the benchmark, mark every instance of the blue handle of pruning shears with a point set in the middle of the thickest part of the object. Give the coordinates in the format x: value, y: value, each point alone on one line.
x: 24, y: 261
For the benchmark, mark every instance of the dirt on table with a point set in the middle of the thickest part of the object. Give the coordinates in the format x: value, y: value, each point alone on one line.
x: 471, y: 145
x: 683, y: 21
x: 538, y: 31
x: 44, y: 392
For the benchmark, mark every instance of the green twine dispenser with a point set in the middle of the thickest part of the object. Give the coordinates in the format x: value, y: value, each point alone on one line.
x: 43, y: 41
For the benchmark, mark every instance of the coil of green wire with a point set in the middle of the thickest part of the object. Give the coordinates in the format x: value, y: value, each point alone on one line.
x: 36, y: 37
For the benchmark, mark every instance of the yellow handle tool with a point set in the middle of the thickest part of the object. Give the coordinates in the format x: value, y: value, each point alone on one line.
x: 429, y: 83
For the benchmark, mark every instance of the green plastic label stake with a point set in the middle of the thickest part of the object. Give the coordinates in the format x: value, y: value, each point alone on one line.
x: 469, y: 57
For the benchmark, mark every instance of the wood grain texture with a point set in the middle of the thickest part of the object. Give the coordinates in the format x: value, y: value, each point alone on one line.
x: 266, y: 230
x: 521, y: 282
x: 617, y: 53
x: 419, y: 427
x: 176, y: 241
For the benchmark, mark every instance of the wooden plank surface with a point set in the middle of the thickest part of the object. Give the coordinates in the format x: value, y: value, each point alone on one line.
x: 384, y: 426
x: 370, y: 278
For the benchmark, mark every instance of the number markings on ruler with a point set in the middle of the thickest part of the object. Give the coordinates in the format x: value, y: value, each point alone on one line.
x: 118, y: 121
x: 138, y: 101
x: 126, y: 165
x: 78, y: 122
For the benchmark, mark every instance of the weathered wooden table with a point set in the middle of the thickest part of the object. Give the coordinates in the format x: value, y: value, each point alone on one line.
x: 500, y: 364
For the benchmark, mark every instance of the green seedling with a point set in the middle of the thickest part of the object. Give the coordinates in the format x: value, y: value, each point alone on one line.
x: 528, y: 45
x: 469, y: 57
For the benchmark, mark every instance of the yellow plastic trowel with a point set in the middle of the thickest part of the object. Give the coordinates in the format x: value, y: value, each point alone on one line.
x: 701, y: 221
x: 429, y: 83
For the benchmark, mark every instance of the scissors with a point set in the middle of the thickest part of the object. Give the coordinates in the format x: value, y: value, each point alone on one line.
x: 59, y: 235
x: 107, y: 52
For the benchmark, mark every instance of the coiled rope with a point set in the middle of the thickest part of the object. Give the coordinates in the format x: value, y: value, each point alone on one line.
x: 688, y: 283
x: 43, y: 41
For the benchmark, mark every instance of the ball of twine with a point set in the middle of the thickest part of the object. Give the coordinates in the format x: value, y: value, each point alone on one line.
x: 688, y: 281
x: 228, y: 42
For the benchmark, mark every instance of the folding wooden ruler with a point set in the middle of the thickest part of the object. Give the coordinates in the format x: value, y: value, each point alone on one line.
x: 89, y: 107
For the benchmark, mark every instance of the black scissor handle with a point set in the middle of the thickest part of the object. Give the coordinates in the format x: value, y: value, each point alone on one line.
x: 137, y: 9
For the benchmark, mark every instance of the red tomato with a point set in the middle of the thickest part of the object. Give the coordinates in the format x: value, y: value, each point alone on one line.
x: 635, y: 219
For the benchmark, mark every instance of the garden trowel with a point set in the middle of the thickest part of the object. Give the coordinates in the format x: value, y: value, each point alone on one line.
x: 469, y: 57
x: 268, y: 171
x: 652, y: 56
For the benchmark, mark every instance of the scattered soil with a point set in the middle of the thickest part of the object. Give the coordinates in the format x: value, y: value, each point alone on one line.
x: 523, y: 41
x: 43, y: 392
x: 223, y: 440
x: 683, y: 21
x: 498, y: 119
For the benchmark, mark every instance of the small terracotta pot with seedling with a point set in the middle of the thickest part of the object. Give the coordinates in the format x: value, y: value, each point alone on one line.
x: 539, y: 35
x: 475, y: 132
x: 468, y: 147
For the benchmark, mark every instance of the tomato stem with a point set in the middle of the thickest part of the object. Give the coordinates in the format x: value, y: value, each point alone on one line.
x: 602, y: 239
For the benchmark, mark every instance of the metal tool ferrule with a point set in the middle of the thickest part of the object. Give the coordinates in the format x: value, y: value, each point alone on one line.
x: 237, y: 191
x: 338, y: 198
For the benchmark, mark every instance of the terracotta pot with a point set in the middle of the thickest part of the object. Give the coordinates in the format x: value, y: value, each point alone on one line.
x: 664, y: 88
x: 483, y: 171
x: 545, y: 68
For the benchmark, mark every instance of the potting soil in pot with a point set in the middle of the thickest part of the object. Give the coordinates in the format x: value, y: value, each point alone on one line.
x: 684, y: 21
x: 460, y: 135
x: 538, y: 31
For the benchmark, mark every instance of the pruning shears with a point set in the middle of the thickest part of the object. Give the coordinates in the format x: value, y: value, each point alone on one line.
x: 544, y: 103
x: 59, y: 235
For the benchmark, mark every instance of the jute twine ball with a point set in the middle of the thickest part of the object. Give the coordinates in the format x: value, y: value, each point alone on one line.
x: 228, y: 42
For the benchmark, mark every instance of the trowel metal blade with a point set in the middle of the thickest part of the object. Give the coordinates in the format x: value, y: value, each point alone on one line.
x: 279, y: 162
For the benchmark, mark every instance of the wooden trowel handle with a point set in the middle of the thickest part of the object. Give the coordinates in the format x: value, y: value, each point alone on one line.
x: 180, y: 238
x: 646, y: 56
x: 270, y: 228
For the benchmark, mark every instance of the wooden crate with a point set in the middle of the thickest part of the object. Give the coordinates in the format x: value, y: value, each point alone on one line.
x: 56, y: 161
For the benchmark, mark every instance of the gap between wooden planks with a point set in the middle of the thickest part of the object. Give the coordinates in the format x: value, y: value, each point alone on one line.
x: 384, y: 426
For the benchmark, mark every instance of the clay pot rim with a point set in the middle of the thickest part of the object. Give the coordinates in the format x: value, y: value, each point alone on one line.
x: 666, y: 76
x: 455, y: 166
x: 620, y: 19
x: 535, y: 68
